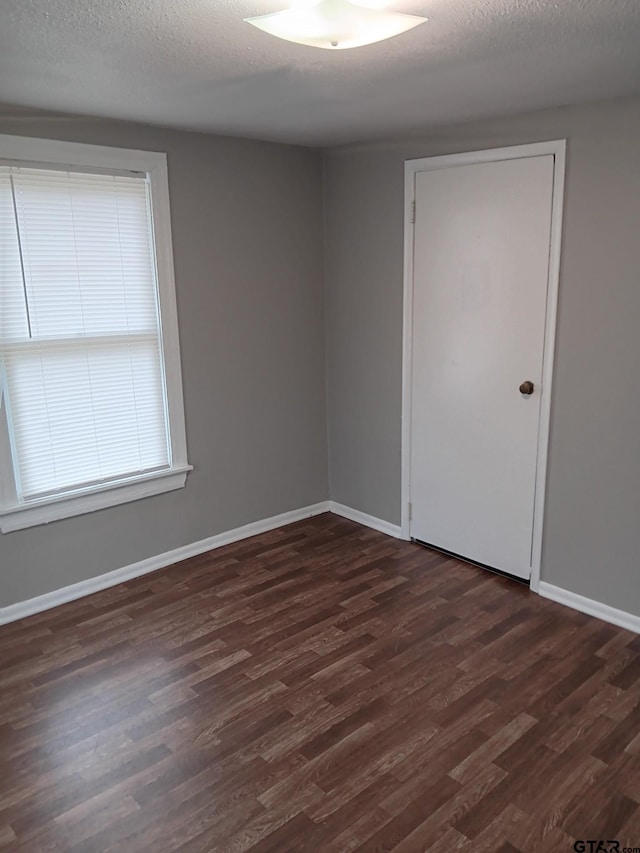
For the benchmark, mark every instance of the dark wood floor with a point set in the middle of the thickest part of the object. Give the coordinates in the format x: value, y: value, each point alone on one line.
x: 318, y: 688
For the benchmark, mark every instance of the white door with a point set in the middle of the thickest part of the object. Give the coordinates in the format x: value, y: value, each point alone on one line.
x: 481, y: 270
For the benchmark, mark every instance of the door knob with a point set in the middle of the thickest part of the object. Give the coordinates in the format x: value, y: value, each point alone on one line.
x: 527, y: 388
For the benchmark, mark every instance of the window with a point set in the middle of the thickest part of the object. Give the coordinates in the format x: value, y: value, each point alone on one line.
x: 90, y: 392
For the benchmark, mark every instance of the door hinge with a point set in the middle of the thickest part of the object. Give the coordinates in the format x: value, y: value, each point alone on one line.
x: 413, y: 211
x: 410, y: 511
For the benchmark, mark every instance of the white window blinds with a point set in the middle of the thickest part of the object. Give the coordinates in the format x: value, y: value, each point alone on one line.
x: 80, y: 344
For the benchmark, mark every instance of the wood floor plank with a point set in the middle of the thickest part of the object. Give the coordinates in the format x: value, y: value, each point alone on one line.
x: 323, y: 688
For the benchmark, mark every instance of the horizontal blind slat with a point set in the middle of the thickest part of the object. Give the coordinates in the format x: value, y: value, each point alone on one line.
x: 88, y: 252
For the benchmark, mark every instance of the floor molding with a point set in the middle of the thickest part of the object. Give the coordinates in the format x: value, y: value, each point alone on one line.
x: 367, y: 520
x: 590, y: 606
x: 40, y: 603
x: 78, y: 590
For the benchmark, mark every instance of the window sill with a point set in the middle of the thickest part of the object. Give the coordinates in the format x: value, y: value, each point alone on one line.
x: 65, y: 506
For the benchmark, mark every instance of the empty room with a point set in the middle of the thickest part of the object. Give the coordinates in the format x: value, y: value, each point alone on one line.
x: 319, y: 426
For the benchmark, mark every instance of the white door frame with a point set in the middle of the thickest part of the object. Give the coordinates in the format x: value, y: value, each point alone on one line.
x: 411, y: 167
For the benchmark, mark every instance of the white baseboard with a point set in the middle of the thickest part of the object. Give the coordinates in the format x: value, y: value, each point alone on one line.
x: 367, y: 520
x: 161, y: 561
x: 590, y: 606
x: 78, y: 590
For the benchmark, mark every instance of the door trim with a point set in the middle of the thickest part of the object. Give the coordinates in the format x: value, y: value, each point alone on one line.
x: 557, y: 148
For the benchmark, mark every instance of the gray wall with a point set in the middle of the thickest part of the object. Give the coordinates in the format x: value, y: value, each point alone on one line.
x: 593, y: 499
x: 247, y: 236
x: 247, y: 233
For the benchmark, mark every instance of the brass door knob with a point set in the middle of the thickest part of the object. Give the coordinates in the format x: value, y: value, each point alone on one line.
x: 526, y: 388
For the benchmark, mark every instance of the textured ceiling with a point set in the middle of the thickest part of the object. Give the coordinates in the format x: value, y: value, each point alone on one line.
x: 194, y: 64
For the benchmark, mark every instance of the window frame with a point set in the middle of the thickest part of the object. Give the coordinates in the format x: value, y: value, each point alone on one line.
x: 16, y: 514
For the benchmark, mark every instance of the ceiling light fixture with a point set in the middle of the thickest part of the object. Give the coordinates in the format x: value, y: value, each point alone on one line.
x: 334, y: 24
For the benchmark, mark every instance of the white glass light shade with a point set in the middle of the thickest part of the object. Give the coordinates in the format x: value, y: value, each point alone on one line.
x: 334, y: 24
